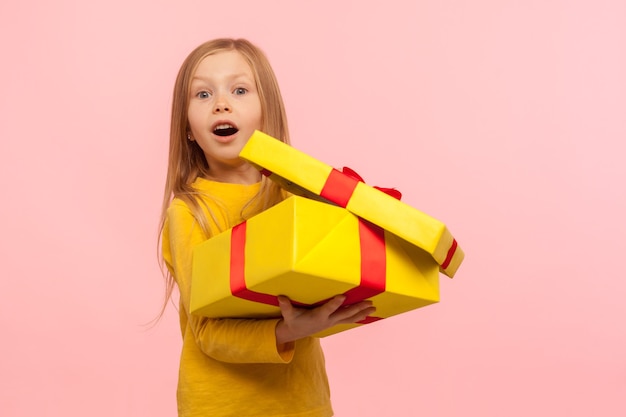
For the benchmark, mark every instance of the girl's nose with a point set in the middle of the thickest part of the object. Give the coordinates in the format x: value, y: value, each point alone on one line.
x: 221, y: 105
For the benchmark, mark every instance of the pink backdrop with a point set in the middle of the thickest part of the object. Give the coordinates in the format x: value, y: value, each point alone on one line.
x: 505, y: 119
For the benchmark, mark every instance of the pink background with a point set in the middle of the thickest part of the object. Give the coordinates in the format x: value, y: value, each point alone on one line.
x: 505, y: 119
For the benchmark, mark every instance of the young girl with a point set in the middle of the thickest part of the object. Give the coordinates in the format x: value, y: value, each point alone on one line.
x: 225, y: 90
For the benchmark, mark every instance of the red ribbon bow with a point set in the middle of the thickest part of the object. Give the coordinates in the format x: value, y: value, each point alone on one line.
x: 340, y: 185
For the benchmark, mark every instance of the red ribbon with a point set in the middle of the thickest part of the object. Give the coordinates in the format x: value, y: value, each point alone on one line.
x: 373, y: 269
x: 340, y: 185
x: 237, y: 269
x: 449, y: 255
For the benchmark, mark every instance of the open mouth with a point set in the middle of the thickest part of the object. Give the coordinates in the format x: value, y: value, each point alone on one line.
x: 225, y: 130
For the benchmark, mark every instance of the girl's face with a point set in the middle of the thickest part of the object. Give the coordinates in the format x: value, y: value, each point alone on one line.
x: 224, y: 109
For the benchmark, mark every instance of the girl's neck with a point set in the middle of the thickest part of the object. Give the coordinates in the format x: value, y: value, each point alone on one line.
x: 245, y: 174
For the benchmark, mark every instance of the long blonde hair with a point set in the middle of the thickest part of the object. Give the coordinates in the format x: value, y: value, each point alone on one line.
x: 186, y: 159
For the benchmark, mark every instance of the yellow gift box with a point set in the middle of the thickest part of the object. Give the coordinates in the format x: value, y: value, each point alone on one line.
x: 309, y: 251
x: 304, y: 175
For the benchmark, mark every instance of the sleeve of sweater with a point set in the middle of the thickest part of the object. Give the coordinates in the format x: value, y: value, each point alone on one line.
x: 226, y: 340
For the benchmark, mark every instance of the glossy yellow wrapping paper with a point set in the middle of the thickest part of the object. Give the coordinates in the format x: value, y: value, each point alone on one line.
x: 309, y: 251
x: 304, y: 175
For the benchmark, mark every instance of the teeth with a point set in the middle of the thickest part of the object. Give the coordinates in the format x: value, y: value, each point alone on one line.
x: 224, y: 126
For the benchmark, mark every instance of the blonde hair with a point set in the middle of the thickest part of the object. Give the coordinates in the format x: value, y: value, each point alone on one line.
x: 186, y: 159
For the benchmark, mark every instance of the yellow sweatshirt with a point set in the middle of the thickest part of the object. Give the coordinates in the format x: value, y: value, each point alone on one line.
x: 232, y: 367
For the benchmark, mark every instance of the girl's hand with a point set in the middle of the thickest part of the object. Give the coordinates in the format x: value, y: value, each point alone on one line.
x: 298, y: 323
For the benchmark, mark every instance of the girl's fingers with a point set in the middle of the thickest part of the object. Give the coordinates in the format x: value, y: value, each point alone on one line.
x: 286, y: 308
x: 327, y: 315
x: 333, y: 305
x: 354, y: 312
x: 361, y: 315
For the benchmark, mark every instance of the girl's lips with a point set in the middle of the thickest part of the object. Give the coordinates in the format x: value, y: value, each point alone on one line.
x: 225, y: 138
x: 224, y: 131
x: 224, y: 128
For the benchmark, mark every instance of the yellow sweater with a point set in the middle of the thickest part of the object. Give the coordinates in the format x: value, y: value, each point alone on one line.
x: 232, y: 367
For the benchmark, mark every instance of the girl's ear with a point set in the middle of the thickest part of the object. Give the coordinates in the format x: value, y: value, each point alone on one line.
x: 189, y: 138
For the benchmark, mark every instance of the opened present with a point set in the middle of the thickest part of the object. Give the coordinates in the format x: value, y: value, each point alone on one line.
x: 304, y: 175
x: 309, y: 251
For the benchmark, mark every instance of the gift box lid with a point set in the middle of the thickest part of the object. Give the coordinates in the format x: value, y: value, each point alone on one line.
x: 306, y: 176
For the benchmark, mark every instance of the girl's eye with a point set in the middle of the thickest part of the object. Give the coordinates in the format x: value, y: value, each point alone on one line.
x: 240, y: 91
x: 203, y: 94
